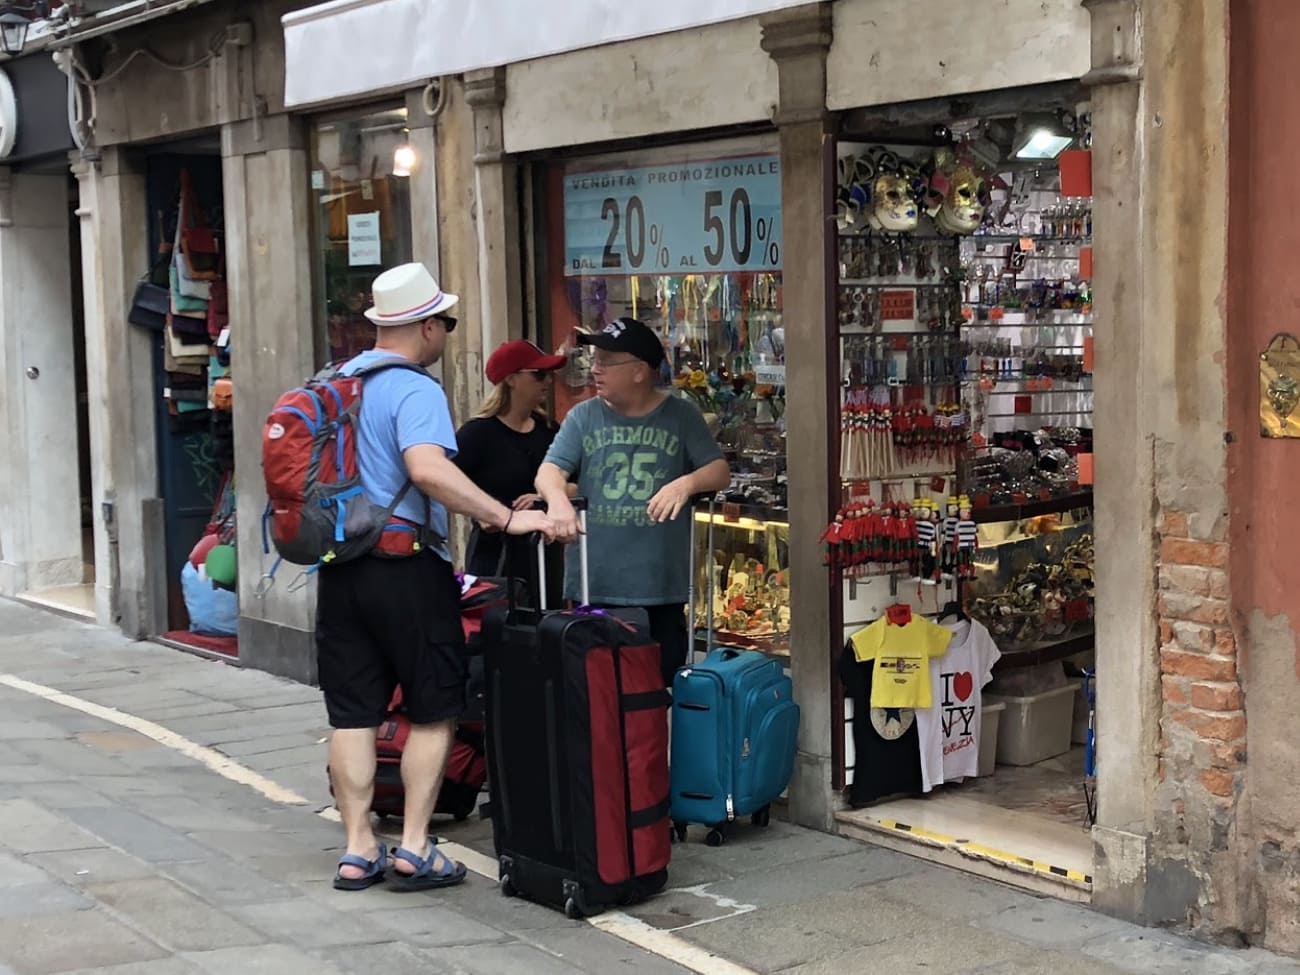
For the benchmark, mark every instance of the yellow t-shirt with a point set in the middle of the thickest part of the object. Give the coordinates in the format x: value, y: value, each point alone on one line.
x: 901, y: 678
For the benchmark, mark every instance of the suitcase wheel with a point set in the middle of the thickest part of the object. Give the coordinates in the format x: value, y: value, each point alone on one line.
x: 507, y: 886
x: 762, y: 817
x: 679, y: 831
x: 715, y: 837
x: 571, y: 910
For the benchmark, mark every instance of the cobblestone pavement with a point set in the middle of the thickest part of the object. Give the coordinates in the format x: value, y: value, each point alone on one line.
x: 121, y: 853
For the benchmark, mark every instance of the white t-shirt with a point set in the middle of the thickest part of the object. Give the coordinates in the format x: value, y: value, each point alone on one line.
x: 950, y: 729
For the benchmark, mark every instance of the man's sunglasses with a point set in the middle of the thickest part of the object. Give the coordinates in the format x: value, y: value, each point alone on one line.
x: 448, y: 322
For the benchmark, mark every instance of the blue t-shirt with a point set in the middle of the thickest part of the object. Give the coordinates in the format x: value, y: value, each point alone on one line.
x: 401, y: 409
x: 621, y: 462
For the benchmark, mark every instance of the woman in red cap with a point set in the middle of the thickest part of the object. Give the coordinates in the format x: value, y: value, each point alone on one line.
x: 501, y: 449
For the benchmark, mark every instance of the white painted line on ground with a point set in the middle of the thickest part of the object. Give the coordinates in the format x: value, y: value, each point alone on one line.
x: 212, y: 759
x: 623, y: 926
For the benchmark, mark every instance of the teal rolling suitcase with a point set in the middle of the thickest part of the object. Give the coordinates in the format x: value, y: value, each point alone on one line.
x: 734, y: 729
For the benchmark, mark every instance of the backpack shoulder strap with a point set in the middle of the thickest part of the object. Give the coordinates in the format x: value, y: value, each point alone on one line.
x: 392, y: 362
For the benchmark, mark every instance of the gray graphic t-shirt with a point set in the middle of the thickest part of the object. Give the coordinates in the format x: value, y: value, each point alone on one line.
x: 621, y: 463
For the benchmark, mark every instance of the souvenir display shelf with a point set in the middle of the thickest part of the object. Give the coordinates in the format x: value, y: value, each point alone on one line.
x: 746, y: 574
x: 964, y: 324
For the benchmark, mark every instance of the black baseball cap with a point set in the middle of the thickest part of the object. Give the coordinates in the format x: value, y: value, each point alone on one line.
x: 630, y: 336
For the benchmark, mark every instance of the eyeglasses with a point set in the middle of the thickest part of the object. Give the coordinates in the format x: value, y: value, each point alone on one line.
x: 448, y: 322
x: 539, y: 374
x: 600, y: 362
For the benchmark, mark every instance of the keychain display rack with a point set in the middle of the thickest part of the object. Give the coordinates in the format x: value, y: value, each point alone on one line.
x: 966, y: 394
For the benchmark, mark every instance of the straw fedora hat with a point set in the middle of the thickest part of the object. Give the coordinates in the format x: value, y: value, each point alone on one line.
x: 405, y: 294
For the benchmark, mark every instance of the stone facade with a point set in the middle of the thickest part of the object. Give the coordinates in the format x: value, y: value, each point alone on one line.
x: 1196, y: 564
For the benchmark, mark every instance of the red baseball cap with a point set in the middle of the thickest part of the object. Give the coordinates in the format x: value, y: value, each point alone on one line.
x: 519, y: 356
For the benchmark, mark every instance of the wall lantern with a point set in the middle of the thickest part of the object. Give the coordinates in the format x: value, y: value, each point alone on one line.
x: 16, y: 17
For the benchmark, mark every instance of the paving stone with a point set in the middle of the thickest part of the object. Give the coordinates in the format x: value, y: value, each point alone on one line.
x: 188, y: 815
x: 952, y: 893
x: 12, y: 731
x: 227, y: 883
x: 138, y: 835
x: 62, y: 943
x: 434, y: 925
x: 274, y: 743
x: 62, y: 795
x: 1039, y: 963
x: 600, y: 956
x: 81, y: 867
x: 265, y: 960
x: 15, y: 872
x: 769, y: 940
x: 27, y: 828
x: 172, y: 916
x: 795, y: 882
x: 164, y: 966
x: 308, y: 922
x: 242, y: 844
x: 1158, y: 953
x: 502, y: 960
x: 69, y: 756
x: 391, y: 958
x: 1056, y: 924
x: 46, y: 897
x: 308, y: 756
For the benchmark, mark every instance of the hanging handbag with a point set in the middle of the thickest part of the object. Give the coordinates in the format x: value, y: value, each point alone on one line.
x: 218, y: 310
x: 198, y: 242
x: 149, y: 306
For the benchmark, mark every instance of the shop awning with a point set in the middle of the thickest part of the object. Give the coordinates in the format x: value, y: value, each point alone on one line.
x: 348, y: 48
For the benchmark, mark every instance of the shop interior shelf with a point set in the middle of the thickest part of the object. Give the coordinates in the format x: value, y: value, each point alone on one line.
x: 1031, y: 509
x: 722, y: 510
x: 772, y: 646
x: 1046, y: 652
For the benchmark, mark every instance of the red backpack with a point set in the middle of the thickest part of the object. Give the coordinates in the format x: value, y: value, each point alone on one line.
x: 316, y: 510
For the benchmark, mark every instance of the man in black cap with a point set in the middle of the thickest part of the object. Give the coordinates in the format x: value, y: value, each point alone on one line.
x: 638, y: 455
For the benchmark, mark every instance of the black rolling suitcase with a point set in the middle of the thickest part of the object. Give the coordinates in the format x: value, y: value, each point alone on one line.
x: 577, y: 756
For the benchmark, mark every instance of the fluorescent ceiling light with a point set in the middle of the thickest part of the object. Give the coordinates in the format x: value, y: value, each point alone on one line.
x: 1044, y: 144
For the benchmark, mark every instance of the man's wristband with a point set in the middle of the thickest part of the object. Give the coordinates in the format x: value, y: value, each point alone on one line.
x: 506, y: 527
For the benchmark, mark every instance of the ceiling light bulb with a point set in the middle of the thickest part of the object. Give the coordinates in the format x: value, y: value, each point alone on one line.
x: 403, y: 160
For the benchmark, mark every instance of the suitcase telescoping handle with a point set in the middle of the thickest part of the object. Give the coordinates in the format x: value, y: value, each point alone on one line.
x: 691, y: 588
x: 580, y: 506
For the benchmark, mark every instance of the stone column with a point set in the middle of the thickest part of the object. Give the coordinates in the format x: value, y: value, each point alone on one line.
x: 1170, y: 745
x: 497, y: 213
x: 798, y: 40
x: 273, y: 348
x: 130, y: 551
x: 40, y: 513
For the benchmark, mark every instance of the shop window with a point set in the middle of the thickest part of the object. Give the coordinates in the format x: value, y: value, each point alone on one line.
x: 362, y: 220
x: 688, y: 241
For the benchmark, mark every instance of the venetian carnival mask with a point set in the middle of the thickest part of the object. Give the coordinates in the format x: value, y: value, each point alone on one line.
x: 963, y: 206
x: 893, y: 204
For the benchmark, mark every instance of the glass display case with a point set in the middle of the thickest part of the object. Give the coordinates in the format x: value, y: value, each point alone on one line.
x: 742, y: 577
x: 1032, y: 581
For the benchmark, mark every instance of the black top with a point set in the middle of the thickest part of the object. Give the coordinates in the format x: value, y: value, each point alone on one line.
x: 881, y: 766
x: 504, y: 462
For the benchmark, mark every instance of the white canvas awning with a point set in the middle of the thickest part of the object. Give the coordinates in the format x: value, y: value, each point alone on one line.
x: 348, y: 48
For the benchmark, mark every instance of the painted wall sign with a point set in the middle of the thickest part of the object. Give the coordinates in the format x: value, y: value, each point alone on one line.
x: 1279, y: 388
x: 709, y: 216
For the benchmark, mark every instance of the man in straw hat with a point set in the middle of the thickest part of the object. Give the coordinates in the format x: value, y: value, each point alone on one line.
x: 385, y: 620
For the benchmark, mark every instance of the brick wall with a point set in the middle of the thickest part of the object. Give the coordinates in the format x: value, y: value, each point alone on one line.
x: 1203, y: 718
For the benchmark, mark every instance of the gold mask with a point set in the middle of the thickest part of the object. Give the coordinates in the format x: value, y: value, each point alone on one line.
x: 893, y: 206
x: 963, y: 210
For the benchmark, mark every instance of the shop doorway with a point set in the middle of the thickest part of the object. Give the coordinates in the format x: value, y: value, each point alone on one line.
x: 964, y: 322
x: 193, y: 396
x: 75, y: 593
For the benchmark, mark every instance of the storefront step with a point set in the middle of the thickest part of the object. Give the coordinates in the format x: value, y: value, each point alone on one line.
x: 982, y: 858
x: 75, y: 601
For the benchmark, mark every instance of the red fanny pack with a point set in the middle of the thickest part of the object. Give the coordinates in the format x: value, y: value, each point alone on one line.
x: 400, y: 539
